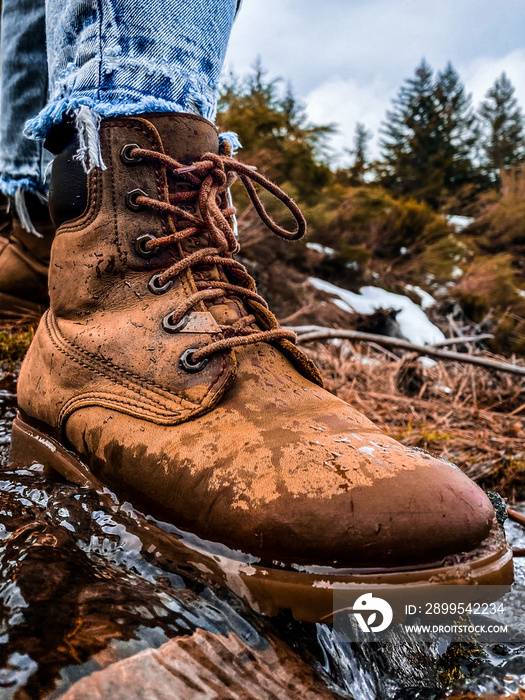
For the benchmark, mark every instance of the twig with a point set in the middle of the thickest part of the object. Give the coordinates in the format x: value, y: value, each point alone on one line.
x: 462, y: 339
x: 515, y: 516
x: 389, y: 354
x: 429, y: 351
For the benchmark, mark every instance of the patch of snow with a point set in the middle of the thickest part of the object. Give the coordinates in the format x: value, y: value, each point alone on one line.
x: 458, y: 223
x: 403, y: 250
x: 415, y: 325
x: 457, y: 272
x: 427, y: 362
x: 320, y: 248
x: 367, y: 450
x: 427, y: 300
x: 521, y: 292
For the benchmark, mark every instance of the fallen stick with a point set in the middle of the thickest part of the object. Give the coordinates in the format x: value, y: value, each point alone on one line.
x: 462, y: 339
x: 321, y: 333
x: 515, y: 516
x: 438, y: 344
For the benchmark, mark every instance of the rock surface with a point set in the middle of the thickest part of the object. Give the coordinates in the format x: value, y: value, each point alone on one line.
x: 204, y: 666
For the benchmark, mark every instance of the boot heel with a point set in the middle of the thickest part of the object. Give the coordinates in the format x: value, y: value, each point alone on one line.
x: 31, y: 446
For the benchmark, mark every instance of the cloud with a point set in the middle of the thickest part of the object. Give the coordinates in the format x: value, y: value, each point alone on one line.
x: 346, y: 102
x: 479, y: 75
x: 347, y: 59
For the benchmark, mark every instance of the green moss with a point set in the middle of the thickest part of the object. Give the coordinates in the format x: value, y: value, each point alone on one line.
x: 490, y: 286
x: 13, y: 347
x: 440, y: 258
x: 459, y: 661
x: 355, y: 253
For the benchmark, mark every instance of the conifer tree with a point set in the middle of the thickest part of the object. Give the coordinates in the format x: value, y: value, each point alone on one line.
x: 458, y: 129
x: 360, y: 153
x: 502, y: 125
x: 409, y: 142
x: 429, y: 136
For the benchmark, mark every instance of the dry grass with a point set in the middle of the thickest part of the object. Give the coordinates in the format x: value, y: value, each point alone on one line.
x: 470, y: 416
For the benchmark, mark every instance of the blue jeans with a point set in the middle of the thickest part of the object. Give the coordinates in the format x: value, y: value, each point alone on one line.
x: 105, y: 58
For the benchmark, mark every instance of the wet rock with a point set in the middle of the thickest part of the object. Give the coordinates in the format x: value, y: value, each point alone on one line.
x: 205, y: 666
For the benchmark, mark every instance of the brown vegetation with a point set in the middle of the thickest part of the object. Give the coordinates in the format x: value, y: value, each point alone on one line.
x: 468, y: 415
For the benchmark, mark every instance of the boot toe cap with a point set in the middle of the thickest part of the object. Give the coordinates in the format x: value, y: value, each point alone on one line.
x: 416, y: 518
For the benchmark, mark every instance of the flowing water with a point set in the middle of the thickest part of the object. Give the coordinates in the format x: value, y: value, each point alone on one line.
x: 81, y: 586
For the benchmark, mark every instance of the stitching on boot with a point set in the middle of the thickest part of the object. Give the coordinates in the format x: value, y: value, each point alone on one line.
x: 134, y: 127
x: 160, y: 175
x: 90, y: 362
x: 121, y: 405
x: 114, y: 198
x: 93, y: 207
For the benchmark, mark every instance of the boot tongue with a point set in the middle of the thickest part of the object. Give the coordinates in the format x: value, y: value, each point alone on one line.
x: 185, y: 137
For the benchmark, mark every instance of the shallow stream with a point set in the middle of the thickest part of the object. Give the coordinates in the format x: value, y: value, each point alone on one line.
x: 80, y: 590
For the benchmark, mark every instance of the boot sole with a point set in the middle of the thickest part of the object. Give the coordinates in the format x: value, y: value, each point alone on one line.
x: 14, y: 309
x: 308, y: 593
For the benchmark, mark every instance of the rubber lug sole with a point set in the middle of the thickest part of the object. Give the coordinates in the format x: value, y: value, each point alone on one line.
x: 308, y: 594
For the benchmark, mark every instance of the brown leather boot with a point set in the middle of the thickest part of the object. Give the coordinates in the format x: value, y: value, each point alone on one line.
x: 160, y: 373
x: 24, y: 264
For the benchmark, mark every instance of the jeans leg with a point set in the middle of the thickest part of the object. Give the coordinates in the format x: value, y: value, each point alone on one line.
x: 110, y: 58
x: 23, y: 93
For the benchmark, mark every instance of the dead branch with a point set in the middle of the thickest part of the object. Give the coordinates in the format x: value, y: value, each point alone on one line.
x: 462, y: 339
x: 320, y: 333
x: 515, y: 516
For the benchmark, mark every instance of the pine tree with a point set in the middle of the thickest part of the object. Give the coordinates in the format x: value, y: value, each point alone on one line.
x: 502, y: 125
x: 458, y: 127
x: 360, y: 153
x: 409, y: 144
x: 429, y: 136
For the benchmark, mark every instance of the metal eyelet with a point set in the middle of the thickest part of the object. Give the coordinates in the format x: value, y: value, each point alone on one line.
x: 154, y: 287
x: 126, y: 157
x: 187, y: 365
x: 170, y: 327
x: 131, y: 199
x: 140, y: 246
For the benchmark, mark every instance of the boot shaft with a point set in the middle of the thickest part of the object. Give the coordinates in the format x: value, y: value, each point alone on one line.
x: 101, y: 249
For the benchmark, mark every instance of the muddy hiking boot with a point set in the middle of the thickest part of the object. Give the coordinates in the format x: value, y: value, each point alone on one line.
x: 24, y: 262
x: 160, y: 373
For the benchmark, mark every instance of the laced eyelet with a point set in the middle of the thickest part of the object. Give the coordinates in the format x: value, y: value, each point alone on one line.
x: 126, y: 157
x: 131, y: 199
x: 170, y: 327
x: 140, y: 246
x: 187, y: 365
x: 154, y: 287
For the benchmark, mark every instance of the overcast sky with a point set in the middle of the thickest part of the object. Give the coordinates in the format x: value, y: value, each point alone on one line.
x: 347, y: 58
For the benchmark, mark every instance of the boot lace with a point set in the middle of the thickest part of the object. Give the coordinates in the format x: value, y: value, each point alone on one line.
x: 210, y: 179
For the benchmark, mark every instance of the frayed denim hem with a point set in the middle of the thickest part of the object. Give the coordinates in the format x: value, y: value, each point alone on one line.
x: 11, y: 185
x: 88, y: 112
x: 16, y: 189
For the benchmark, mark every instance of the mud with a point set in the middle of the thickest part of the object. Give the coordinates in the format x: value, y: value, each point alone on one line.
x: 81, y: 592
